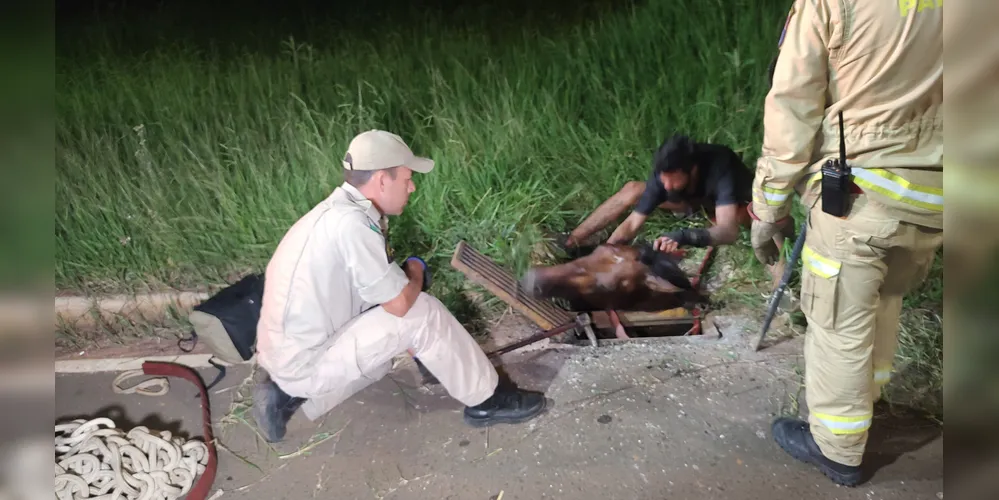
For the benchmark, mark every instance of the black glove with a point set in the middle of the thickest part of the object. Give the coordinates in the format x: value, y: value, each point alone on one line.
x: 426, y: 272
x: 699, y: 237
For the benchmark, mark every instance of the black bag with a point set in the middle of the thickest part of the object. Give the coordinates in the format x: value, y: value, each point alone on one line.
x: 227, y: 321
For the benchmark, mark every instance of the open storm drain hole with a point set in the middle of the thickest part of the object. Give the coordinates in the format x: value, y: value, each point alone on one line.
x: 644, y: 332
x: 667, y: 330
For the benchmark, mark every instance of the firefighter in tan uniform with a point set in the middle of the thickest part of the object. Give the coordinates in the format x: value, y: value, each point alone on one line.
x: 336, y: 310
x: 880, y: 64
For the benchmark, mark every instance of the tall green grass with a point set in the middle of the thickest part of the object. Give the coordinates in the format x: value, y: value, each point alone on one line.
x: 186, y: 145
x: 183, y: 163
x: 188, y: 141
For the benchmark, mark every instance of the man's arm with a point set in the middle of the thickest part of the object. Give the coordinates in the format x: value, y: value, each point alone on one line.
x: 794, y: 107
x: 627, y: 230
x: 401, y: 304
x: 726, y: 228
x: 653, y: 195
x: 377, y: 280
x: 724, y: 232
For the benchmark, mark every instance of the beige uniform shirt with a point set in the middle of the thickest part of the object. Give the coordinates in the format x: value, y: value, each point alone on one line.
x: 329, y: 267
x: 880, y: 62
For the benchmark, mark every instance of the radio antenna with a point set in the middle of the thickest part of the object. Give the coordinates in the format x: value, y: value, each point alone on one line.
x: 842, y: 143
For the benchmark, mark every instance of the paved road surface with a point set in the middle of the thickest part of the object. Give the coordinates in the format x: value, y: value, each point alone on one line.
x: 670, y: 419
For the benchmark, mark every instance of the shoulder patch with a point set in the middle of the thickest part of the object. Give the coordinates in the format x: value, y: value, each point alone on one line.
x: 787, y: 22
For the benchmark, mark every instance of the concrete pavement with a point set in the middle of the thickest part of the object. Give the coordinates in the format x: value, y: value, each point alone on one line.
x: 666, y: 418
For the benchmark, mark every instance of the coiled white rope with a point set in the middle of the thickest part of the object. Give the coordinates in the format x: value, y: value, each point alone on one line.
x: 96, y: 460
x: 142, y: 387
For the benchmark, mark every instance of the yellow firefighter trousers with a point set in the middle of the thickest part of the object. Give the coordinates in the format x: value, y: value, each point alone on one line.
x: 855, y: 272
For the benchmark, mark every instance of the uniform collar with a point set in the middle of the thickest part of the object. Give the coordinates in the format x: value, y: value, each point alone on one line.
x: 354, y: 196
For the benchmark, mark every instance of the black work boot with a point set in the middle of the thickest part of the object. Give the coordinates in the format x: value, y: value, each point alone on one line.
x: 795, y: 437
x: 506, y: 406
x: 272, y: 409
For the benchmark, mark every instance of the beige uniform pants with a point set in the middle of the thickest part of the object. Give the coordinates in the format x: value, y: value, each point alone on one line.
x: 856, y: 271
x: 363, y: 349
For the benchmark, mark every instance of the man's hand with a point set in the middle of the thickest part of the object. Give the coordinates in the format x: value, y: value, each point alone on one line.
x: 628, y: 228
x: 418, y: 270
x: 414, y: 269
x: 762, y: 235
x: 665, y: 244
x: 673, y: 240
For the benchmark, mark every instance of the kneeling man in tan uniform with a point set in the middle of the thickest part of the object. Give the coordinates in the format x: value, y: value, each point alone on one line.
x: 336, y: 311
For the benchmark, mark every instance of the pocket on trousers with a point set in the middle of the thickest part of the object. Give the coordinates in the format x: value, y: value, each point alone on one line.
x: 335, y: 371
x: 819, y: 289
x: 374, y: 352
x: 867, y: 234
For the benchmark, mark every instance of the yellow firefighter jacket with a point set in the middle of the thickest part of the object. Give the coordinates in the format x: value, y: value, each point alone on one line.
x: 880, y: 62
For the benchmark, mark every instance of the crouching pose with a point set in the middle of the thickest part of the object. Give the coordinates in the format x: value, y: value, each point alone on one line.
x: 686, y: 176
x: 336, y: 311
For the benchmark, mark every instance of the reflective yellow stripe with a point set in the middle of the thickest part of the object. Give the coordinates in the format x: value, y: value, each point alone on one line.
x: 897, y: 188
x: 882, y: 375
x: 845, y: 425
x: 775, y: 197
x: 892, y: 186
x: 821, y: 266
x: 812, y: 179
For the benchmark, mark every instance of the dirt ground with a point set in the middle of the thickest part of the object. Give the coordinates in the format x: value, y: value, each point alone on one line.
x: 652, y: 419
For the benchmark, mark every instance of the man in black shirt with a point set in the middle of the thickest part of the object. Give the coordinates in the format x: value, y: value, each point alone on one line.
x: 686, y: 176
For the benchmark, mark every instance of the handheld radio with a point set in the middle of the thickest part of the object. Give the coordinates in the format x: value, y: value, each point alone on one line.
x: 836, y: 180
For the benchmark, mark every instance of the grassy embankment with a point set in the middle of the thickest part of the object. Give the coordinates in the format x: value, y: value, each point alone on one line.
x: 182, y: 163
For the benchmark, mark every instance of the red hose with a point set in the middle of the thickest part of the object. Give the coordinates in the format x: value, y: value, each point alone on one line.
x: 200, y: 489
x: 618, y: 327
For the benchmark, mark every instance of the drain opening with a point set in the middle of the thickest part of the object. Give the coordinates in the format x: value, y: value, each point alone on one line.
x: 667, y: 330
x: 670, y: 329
x: 549, y: 314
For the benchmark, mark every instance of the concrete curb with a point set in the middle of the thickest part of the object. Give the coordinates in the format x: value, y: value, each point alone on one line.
x: 100, y: 365
x: 117, y: 358
x: 83, y: 312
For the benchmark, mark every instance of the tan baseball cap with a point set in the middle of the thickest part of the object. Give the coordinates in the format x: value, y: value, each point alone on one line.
x: 378, y: 150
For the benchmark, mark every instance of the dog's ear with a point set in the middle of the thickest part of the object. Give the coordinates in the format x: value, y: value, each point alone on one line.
x: 646, y: 254
x: 657, y: 284
x: 668, y: 268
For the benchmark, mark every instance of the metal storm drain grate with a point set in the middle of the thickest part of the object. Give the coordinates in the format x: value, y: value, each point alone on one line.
x: 501, y: 283
x: 589, y: 325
